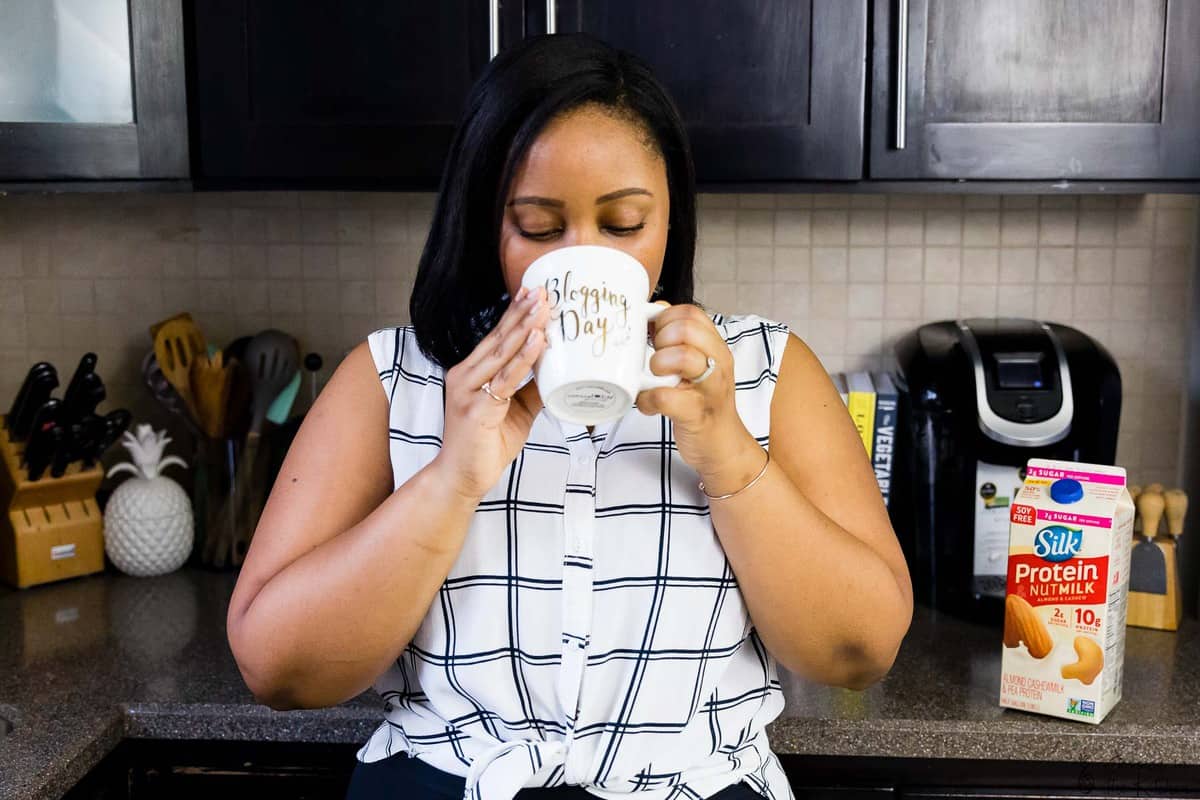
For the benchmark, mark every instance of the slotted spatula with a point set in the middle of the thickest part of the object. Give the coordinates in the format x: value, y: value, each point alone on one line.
x: 177, y: 344
x: 210, y: 380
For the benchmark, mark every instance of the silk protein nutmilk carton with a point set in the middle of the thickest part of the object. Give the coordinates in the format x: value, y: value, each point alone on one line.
x: 1070, y: 533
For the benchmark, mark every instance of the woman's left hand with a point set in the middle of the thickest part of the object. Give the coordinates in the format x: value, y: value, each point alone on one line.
x: 708, y: 431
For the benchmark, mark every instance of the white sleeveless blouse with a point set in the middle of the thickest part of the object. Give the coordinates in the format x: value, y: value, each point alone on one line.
x: 591, y: 631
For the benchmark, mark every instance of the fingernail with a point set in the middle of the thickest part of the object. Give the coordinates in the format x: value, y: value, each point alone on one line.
x: 520, y: 294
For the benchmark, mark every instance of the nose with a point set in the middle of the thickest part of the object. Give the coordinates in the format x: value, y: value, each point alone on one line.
x: 584, y: 234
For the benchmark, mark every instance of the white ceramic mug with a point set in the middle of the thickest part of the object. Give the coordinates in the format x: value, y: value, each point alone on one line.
x: 597, y: 355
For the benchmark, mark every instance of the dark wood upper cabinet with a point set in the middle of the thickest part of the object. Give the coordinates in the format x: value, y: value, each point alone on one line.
x: 92, y: 90
x: 357, y: 93
x: 769, y: 90
x: 1036, y: 89
x: 366, y: 94
x: 369, y: 92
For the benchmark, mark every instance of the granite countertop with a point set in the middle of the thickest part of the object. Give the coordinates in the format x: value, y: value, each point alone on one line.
x: 89, y: 661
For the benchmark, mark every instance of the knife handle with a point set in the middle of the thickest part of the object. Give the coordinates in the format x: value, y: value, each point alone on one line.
x: 23, y: 392
x: 115, y: 423
x: 43, y: 455
x: 89, y: 394
x: 46, y: 415
x: 44, y: 382
x: 87, y: 365
x: 1150, y: 507
x: 94, y: 428
x: 1176, y: 502
x: 67, y: 449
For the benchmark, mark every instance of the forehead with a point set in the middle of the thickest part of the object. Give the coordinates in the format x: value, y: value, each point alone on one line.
x: 586, y: 150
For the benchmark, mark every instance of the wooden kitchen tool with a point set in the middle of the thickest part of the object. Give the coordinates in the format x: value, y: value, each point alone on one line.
x: 177, y: 343
x: 1176, y: 502
x: 1154, y: 609
x: 181, y: 315
x: 51, y: 528
x: 225, y: 462
x: 1147, y: 564
x: 210, y: 380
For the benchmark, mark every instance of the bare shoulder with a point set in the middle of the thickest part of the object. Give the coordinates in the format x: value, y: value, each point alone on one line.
x: 804, y: 387
x: 337, y: 470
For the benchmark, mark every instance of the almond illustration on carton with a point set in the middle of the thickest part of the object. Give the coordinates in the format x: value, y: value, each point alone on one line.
x: 1021, y: 624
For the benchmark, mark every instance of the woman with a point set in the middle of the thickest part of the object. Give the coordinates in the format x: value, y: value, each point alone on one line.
x: 599, y: 610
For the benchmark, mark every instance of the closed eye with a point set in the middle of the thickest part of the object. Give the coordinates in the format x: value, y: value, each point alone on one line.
x: 544, y: 236
x: 541, y: 236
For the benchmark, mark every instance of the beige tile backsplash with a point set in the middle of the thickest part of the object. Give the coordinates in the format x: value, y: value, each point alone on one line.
x: 849, y: 273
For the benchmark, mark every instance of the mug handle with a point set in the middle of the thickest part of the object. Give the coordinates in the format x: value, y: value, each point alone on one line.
x: 649, y: 379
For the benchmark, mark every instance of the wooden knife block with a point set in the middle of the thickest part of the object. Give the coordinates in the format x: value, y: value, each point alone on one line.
x: 51, y: 528
x: 1160, y: 611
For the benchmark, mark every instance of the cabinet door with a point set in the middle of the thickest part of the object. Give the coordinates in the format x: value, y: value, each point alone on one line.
x: 352, y: 93
x: 92, y: 89
x: 1036, y: 89
x: 768, y: 89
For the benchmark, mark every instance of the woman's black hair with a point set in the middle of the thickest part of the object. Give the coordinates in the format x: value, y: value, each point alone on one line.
x: 459, y: 290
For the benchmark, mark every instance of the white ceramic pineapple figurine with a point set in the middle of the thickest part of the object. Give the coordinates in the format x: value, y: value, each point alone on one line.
x: 148, y: 519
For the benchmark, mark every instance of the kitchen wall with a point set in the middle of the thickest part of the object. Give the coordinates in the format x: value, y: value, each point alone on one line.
x: 850, y: 273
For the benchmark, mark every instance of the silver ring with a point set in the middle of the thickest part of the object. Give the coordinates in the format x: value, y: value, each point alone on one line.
x: 712, y: 364
x: 487, y: 388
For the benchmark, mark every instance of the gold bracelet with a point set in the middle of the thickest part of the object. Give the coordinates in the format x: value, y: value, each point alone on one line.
x: 753, y: 481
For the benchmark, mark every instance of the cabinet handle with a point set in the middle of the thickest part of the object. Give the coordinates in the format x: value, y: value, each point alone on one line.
x: 493, y: 28
x: 901, y: 73
x: 551, y: 15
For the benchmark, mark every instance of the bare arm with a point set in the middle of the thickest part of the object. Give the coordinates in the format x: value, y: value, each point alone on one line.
x: 811, y: 544
x: 342, y: 570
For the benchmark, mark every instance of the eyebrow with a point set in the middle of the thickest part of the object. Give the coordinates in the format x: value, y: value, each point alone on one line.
x: 534, y: 200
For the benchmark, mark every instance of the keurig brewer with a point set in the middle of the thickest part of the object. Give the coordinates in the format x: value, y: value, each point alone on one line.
x: 979, y: 398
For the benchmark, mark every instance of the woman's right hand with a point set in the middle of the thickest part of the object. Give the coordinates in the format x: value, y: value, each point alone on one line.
x: 483, y: 435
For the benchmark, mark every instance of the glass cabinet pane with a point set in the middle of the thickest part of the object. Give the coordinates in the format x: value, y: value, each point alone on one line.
x: 65, y: 61
x: 1045, y: 61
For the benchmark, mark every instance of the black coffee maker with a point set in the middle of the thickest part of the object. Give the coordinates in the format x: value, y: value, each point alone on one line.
x: 978, y: 399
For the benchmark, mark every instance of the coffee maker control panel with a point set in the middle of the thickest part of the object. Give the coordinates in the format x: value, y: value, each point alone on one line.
x: 1022, y: 380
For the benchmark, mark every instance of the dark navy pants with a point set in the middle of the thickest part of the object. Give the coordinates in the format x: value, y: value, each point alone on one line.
x: 400, y: 775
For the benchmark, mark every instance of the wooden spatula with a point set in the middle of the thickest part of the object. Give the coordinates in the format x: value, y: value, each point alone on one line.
x: 211, y: 380
x: 176, y: 345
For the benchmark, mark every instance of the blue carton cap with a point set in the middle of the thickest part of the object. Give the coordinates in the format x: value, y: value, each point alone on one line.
x: 1066, y: 490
